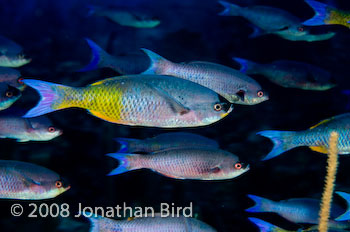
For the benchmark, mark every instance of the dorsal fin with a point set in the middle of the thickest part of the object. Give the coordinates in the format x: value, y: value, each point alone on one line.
x: 322, y: 122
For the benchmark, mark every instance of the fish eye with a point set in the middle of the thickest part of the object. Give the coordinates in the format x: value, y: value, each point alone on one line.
x: 9, y: 94
x: 260, y: 94
x: 20, y: 80
x: 58, y: 184
x: 217, y: 107
x: 301, y: 29
x: 238, y: 166
x: 51, y: 129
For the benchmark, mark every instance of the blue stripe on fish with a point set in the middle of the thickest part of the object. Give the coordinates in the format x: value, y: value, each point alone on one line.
x: 48, y: 96
x: 263, y: 225
x: 124, y: 144
x: 320, y: 13
x: 124, y: 164
x: 95, y: 58
x: 345, y: 216
x: 281, y: 140
x: 261, y: 204
x: 243, y: 62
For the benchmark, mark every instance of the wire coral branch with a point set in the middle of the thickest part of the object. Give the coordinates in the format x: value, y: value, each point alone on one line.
x: 329, y: 182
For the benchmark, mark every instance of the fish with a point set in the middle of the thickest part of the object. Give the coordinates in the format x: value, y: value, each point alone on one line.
x: 130, y: 64
x: 27, y: 129
x: 290, y: 74
x: 8, y: 95
x: 265, y: 226
x: 165, y: 141
x: 27, y: 181
x: 297, y: 210
x: 153, y: 101
x: 346, y: 215
x: 184, y: 163
x: 124, y: 17
x: 11, y: 54
x: 12, y: 77
x: 327, y: 15
x: 231, y: 84
x: 139, y: 224
x: 316, y: 138
x: 276, y: 21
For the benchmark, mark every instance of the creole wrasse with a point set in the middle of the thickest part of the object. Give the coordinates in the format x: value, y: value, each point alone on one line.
x: 327, y: 15
x: 8, y: 95
x: 156, y: 101
x: 233, y: 85
x: 316, y: 137
x: 26, y: 181
x: 156, y: 223
x: 290, y: 74
x: 271, y: 20
x: 184, y: 163
x: 11, y: 54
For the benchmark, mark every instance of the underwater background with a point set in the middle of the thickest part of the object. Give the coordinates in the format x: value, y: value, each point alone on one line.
x: 52, y: 34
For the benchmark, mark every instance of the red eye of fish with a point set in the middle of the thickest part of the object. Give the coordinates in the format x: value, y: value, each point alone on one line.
x: 217, y: 107
x: 58, y: 184
x: 51, y: 129
x: 20, y: 80
x: 238, y: 166
x: 9, y: 94
x: 260, y: 94
x: 301, y: 29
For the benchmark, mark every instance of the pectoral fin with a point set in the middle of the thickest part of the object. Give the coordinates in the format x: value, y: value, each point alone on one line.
x: 320, y: 149
x: 175, y: 105
x: 26, y: 180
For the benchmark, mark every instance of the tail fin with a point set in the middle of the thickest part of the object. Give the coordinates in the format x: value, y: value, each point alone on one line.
x: 49, y: 94
x: 246, y: 65
x: 230, y: 9
x: 345, y: 216
x: 281, y: 140
x: 157, y: 62
x: 321, y: 13
x: 265, y: 226
x: 126, y: 145
x: 100, y: 58
x: 261, y: 204
x: 124, y: 163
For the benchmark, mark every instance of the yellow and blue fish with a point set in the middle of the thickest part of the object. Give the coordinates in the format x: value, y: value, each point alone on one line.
x: 154, y: 101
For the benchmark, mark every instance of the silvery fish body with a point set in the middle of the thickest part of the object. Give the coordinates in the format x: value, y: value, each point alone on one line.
x: 149, y: 224
x: 27, y: 129
x: 231, y: 84
x: 26, y: 181
x: 184, y: 163
x: 154, y: 101
x: 11, y: 54
x: 165, y: 141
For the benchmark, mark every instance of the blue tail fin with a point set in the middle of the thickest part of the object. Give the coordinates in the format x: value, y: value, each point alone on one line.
x: 156, y: 62
x: 246, y: 65
x: 230, y: 9
x: 345, y: 216
x: 281, y: 140
x: 126, y: 144
x: 99, y: 57
x: 321, y: 13
x: 265, y: 226
x: 124, y: 163
x: 49, y: 97
x: 261, y: 204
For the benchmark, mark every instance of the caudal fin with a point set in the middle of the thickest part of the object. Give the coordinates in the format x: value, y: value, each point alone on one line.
x: 246, y: 65
x: 282, y: 141
x: 265, y: 226
x: 345, y: 216
x: 157, y: 62
x: 261, y: 204
x: 125, y: 163
x: 230, y: 9
x: 49, y: 97
x: 127, y: 145
x: 99, y: 57
x: 321, y: 13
